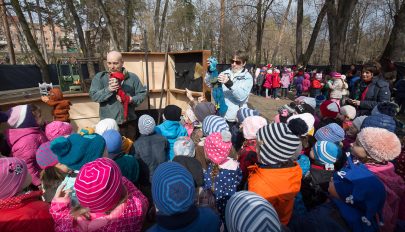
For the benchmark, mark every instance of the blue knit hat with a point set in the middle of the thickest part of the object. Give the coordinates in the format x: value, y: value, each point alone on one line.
x: 247, y: 211
x: 362, y: 196
x: 214, y: 123
x: 172, y: 188
x: 77, y: 150
x: 331, y: 133
x: 380, y: 121
x: 244, y: 113
x: 326, y: 153
x: 113, y: 142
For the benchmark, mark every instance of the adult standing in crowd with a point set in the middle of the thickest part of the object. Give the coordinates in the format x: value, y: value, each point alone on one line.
x: 370, y: 90
x: 237, y: 84
x: 104, y: 91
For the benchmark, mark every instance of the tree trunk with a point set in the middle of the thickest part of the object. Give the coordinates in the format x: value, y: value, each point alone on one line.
x: 221, y: 54
x: 163, y: 24
x: 90, y: 64
x: 7, y: 32
x: 338, y: 20
x: 314, y: 35
x: 281, y: 32
x: 110, y: 28
x: 80, y: 35
x: 128, y: 26
x: 31, y: 42
x: 395, y: 49
x: 34, y: 30
x: 259, y: 33
x: 41, y: 28
x: 21, y: 40
x: 298, y: 31
x: 157, y: 26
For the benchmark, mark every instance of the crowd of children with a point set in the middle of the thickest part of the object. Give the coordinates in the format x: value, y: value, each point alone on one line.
x: 319, y: 166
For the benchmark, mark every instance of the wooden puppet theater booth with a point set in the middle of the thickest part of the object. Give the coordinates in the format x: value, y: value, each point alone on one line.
x: 167, y: 84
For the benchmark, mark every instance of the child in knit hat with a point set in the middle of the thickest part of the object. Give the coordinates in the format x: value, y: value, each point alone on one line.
x: 247, y: 211
x: 75, y: 151
x: 331, y: 133
x: 171, y: 127
x: 376, y: 147
x: 108, y: 201
x: 247, y: 155
x: 24, y: 138
x: 276, y: 144
x: 237, y: 135
x: 150, y: 149
x: 337, y: 87
x: 329, y: 111
x: 184, y: 153
x: 110, y: 124
x: 347, y: 114
x: 352, y: 131
x: 315, y: 185
x: 174, y: 194
x: 21, y: 210
x: 53, y: 172
x: 357, y: 199
x: 129, y: 166
x: 223, y: 174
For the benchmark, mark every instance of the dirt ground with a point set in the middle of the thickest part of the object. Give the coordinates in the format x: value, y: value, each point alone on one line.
x: 266, y: 106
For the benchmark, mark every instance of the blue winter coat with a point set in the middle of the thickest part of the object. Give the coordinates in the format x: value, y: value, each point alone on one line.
x: 171, y: 130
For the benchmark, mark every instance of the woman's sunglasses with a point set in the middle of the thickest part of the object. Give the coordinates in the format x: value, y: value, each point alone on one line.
x: 238, y: 62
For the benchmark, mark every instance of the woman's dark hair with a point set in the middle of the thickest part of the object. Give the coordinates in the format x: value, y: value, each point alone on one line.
x: 242, y: 55
x: 373, y: 67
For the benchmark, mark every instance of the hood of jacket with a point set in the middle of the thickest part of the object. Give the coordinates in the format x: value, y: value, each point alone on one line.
x: 171, y: 129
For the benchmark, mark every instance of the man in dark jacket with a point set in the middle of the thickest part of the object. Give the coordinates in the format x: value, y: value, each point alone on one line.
x: 104, y: 91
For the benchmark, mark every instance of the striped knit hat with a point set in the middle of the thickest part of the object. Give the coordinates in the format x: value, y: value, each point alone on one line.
x: 99, y: 185
x: 21, y: 117
x: 214, y: 123
x: 326, y: 152
x: 172, y: 188
x: 247, y: 211
x: 146, y: 124
x: 45, y: 157
x: 278, y: 142
x: 244, y: 113
x: 331, y: 133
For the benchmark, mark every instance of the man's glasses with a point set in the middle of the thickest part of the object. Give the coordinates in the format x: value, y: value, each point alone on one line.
x: 238, y: 62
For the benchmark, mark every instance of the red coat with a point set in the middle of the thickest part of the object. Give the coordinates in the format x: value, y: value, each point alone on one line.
x: 276, y: 80
x: 267, y: 81
x: 25, y: 213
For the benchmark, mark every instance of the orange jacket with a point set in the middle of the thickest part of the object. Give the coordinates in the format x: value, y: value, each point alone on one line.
x: 277, y: 185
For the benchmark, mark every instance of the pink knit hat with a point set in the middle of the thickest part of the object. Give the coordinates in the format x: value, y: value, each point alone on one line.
x: 380, y: 144
x: 217, y: 146
x: 251, y: 125
x: 99, y: 185
x: 13, y: 172
x: 45, y: 157
x: 57, y: 128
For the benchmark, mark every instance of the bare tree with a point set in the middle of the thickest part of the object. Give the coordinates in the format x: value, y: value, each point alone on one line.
x: 298, y: 31
x: 31, y: 42
x: 221, y: 55
x: 163, y: 24
x: 395, y: 49
x: 262, y: 7
x: 128, y: 25
x: 156, y: 23
x: 109, y: 26
x: 80, y: 35
x: 338, y: 20
x: 41, y: 31
x: 6, y: 29
x: 281, y: 32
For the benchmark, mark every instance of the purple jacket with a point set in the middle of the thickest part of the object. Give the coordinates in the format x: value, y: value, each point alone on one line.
x: 24, y: 142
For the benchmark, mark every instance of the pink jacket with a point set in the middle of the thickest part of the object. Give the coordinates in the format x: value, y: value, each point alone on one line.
x: 128, y: 216
x: 285, y: 81
x: 24, y: 142
x: 395, y: 188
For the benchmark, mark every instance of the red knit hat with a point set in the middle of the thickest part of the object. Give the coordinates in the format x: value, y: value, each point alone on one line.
x: 329, y: 109
x: 217, y: 146
x: 99, y: 185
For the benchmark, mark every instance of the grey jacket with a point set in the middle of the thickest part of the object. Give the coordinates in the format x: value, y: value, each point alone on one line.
x: 110, y: 107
